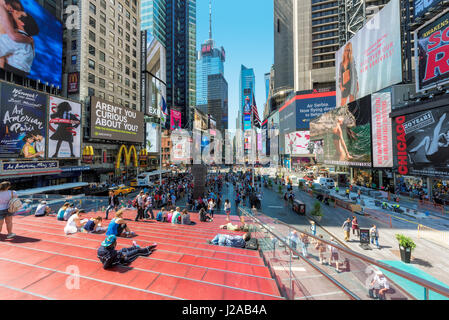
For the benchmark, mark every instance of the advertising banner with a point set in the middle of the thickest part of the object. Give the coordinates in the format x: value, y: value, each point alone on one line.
x: 273, y: 124
x: 18, y: 167
x: 73, y: 82
x: 64, y: 128
x: 297, y: 142
x: 382, y: 135
x: 23, y: 118
x: 152, y: 144
x: 371, y: 60
x: 422, y: 143
x: 246, y: 122
x: 175, y: 119
x: 432, y: 53
x: 346, y: 134
x: 35, y: 51
x: 143, y: 69
x: 265, y: 138
x: 422, y: 6
x: 113, y: 122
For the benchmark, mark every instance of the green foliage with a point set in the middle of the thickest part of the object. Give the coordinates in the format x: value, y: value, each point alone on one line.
x: 280, y: 188
x: 316, y: 211
x: 405, y: 242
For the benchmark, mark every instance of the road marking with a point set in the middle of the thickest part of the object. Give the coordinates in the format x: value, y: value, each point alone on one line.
x: 277, y: 207
x: 279, y: 268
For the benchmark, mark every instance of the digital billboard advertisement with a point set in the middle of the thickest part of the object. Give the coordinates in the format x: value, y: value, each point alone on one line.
x: 421, y: 143
x: 345, y: 133
x: 30, y: 41
x: 432, y: 53
x: 371, y: 60
x: 73, y: 82
x: 64, y: 128
x: 23, y: 122
x: 175, y: 119
x: 381, y: 125
x: 297, y: 142
x: 113, y: 122
x: 422, y: 6
x: 273, y: 124
x: 152, y: 139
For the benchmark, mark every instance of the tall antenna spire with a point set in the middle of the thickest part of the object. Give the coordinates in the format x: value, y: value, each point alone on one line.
x: 210, y: 19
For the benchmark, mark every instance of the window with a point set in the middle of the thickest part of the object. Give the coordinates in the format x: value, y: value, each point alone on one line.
x: 279, y: 25
x: 134, y: 85
x: 128, y: 37
x: 102, y: 29
x: 111, y: 49
x: 127, y: 2
x: 119, y: 78
x: 128, y: 26
x: 127, y: 71
x: 111, y: 98
x: 134, y: 53
x: 102, y: 43
x: 110, y: 86
x: 111, y: 36
x: 127, y: 59
x: 112, y: 24
x: 120, y: 31
x: 111, y: 62
x: 119, y: 54
x: 103, y: 4
x: 120, y: 42
x: 111, y: 12
x: 119, y: 101
x: 119, y: 90
x: 90, y: 91
x: 91, y: 64
x: 73, y: 44
x: 74, y: 59
x: 127, y: 83
x: 92, y: 8
x: 92, y: 36
x: 120, y: 7
x: 134, y: 97
x: 91, y: 78
x: 127, y: 104
x: 119, y: 66
x: 112, y: 2
x: 127, y: 49
x: 134, y: 32
x: 134, y: 21
x: 101, y: 82
x: 120, y: 18
x: 102, y: 16
x: 134, y: 64
x: 92, y: 50
x: 134, y: 42
x: 92, y: 22
x: 134, y: 75
x: 101, y: 69
x: 127, y: 93
x: 128, y: 15
x: 101, y: 94
x: 102, y: 56
x: 111, y: 74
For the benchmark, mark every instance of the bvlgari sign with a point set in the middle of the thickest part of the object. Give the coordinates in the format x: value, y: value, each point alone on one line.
x: 114, y: 122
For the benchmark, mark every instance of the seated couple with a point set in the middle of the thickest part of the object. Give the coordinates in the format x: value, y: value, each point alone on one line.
x: 75, y: 223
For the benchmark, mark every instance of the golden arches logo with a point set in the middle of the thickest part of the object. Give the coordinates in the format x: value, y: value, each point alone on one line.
x: 128, y: 153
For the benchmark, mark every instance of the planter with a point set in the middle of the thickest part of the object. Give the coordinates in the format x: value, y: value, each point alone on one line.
x: 406, y: 254
x: 317, y: 218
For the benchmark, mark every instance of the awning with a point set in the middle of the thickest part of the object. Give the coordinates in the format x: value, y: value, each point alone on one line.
x: 64, y: 186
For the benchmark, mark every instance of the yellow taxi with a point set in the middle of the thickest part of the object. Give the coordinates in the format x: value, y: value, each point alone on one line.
x: 133, y: 183
x: 122, y: 190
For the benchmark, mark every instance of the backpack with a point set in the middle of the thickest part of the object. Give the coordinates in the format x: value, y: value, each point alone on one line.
x: 134, y: 203
x: 14, y: 204
x: 252, y: 244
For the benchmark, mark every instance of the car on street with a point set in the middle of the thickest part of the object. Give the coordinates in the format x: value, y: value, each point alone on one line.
x: 122, y: 190
x: 325, y: 182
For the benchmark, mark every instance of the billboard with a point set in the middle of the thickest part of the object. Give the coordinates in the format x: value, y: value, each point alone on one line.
x: 30, y: 41
x: 64, y: 128
x: 73, y: 82
x: 371, y: 60
x: 422, y: 6
x: 421, y: 143
x: 346, y: 134
x: 23, y: 122
x: 432, y: 53
x: 113, y: 122
x: 175, y: 119
x: 297, y: 142
x: 246, y: 122
x: 152, y: 138
x: 381, y: 125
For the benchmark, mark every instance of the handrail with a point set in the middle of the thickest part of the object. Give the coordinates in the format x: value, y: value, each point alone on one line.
x: 334, y: 281
x: 420, y: 281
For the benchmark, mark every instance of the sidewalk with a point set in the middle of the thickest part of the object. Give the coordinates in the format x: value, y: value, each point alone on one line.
x: 428, y: 256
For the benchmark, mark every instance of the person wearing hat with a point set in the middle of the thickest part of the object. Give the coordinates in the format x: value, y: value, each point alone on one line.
x: 110, y: 257
x: 42, y: 209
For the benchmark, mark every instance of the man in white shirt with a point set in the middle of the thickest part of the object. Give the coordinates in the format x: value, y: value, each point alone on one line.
x: 42, y: 209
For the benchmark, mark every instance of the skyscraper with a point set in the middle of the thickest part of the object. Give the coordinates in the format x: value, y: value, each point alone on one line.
x: 247, y: 86
x: 211, y: 86
x: 153, y: 14
x: 181, y: 57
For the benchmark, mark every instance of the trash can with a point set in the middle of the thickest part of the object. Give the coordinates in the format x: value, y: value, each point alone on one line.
x: 299, y: 207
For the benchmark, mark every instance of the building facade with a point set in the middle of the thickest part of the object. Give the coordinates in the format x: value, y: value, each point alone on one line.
x: 153, y: 15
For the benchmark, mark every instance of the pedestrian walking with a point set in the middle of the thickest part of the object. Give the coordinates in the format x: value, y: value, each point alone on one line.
x: 140, y: 202
x: 9, y: 204
x: 227, y: 208
x: 347, y: 228
x: 374, y: 235
x: 113, y: 203
x: 355, y: 227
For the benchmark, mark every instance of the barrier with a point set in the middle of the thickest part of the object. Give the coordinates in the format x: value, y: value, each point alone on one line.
x: 379, y: 216
x: 427, y: 205
x: 433, y: 235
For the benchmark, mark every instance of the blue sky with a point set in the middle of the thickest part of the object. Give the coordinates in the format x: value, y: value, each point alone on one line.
x: 245, y: 30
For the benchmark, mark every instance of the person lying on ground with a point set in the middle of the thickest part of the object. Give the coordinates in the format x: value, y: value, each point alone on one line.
x: 230, y: 240
x: 75, y: 222
x: 110, y: 257
x: 94, y: 225
x: 118, y: 227
x: 42, y: 209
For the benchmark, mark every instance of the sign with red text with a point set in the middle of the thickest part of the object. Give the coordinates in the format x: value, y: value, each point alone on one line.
x: 371, y: 60
x: 381, y: 126
x: 432, y: 53
x: 422, y: 143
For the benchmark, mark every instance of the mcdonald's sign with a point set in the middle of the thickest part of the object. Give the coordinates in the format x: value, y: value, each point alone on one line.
x: 73, y: 80
x: 88, y: 154
x: 128, y: 153
x: 143, y: 158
